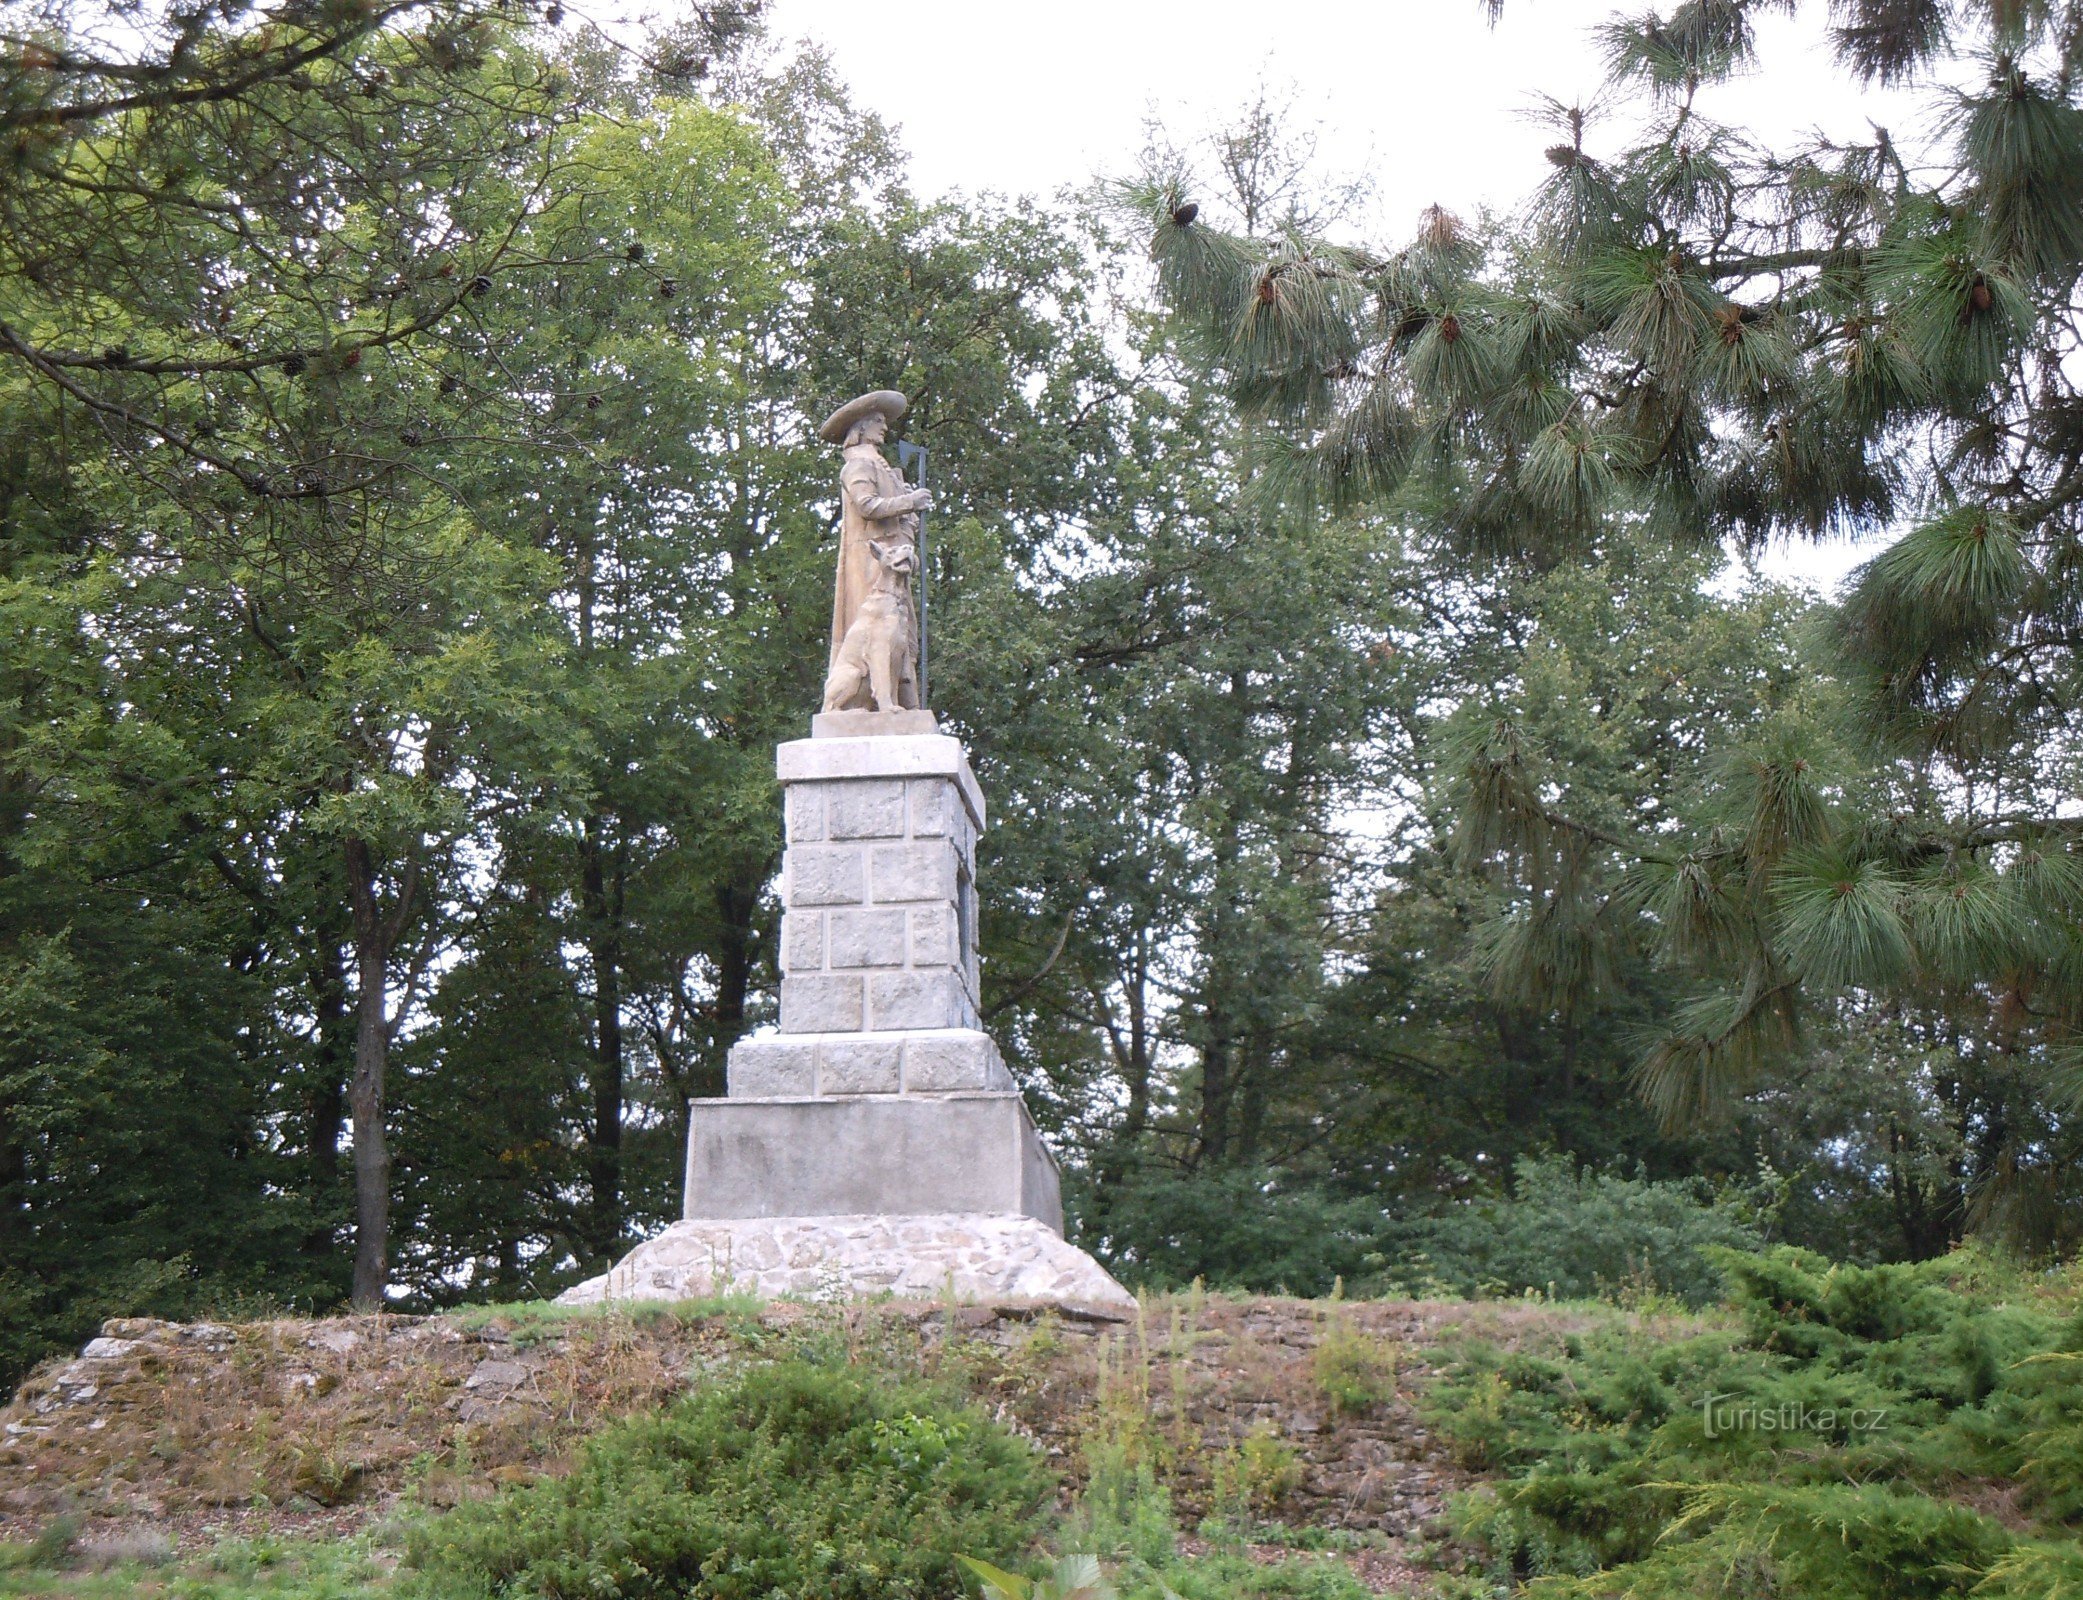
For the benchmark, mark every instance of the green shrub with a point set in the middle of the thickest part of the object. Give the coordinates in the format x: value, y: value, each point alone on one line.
x: 796, y: 1479
x: 1230, y: 1227
x: 1355, y: 1370
x: 1573, y: 1235
x: 1826, y: 1441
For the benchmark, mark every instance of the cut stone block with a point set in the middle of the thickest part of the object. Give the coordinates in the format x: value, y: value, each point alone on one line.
x: 961, y: 1059
x: 771, y: 1068
x: 826, y: 875
x: 821, y: 1003
x: 936, y: 808
x: 889, y: 1155
x: 922, y: 871
x: 861, y: 1066
x: 934, y: 937
x: 865, y: 808
x: 802, y: 941
x: 805, y: 813
x: 918, y: 1000
x: 867, y: 938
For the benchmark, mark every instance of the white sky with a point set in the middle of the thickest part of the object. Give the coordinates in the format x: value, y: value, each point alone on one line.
x: 1422, y: 95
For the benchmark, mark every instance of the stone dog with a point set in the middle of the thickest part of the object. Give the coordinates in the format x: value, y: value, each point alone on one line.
x: 878, y: 648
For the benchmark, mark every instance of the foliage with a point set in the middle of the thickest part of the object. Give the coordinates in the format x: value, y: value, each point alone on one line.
x: 412, y: 543
x: 1356, y: 1370
x: 1836, y: 1439
x: 795, y: 1476
x: 1230, y: 1227
x: 1072, y: 1578
x: 1576, y: 1234
x: 1256, y: 1474
x: 122, y: 1566
x: 1690, y: 339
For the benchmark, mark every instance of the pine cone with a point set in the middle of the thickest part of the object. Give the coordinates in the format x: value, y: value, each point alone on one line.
x: 1182, y: 216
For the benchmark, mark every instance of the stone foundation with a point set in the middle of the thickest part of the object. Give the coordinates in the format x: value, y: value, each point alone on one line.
x: 972, y: 1258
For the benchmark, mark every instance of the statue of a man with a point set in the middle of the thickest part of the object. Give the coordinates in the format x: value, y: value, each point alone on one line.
x: 875, y: 505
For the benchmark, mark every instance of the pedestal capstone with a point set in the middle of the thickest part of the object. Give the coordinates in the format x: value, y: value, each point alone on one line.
x: 875, y: 1142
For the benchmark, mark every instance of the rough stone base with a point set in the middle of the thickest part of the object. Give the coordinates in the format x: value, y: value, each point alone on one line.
x: 967, y: 1256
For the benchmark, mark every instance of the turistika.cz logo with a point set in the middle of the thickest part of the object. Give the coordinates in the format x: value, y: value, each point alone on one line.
x: 1729, y: 1413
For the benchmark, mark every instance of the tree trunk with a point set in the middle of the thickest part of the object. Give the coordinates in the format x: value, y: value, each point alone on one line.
x: 1137, y: 1117
x: 1253, y: 1068
x: 734, y: 905
x: 603, y: 888
x: 14, y: 1190
x: 374, y: 936
x: 1215, y: 1091
x: 325, y: 1097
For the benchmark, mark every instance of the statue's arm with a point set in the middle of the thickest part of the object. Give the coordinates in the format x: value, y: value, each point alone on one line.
x: 862, y: 487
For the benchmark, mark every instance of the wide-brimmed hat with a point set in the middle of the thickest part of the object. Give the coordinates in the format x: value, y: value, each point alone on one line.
x: 888, y: 401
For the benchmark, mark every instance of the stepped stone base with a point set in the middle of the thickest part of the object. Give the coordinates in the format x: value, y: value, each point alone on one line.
x: 966, y: 1256
x: 890, y: 1155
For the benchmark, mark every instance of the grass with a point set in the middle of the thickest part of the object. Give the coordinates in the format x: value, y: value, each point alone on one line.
x: 228, y: 1569
x: 531, y: 1322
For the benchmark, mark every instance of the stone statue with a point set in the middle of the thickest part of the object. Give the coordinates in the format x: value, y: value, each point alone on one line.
x: 873, y: 1142
x: 881, y: 649
x: 876, y: 507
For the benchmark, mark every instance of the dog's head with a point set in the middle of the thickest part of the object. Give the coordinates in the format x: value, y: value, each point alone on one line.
x: 899, y: 555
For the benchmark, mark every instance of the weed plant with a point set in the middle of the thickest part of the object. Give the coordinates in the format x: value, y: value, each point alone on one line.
x: 1856, y: 1433
x: 1355, y: 1370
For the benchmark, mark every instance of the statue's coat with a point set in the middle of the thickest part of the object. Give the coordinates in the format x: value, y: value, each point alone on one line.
x: 874, y: 504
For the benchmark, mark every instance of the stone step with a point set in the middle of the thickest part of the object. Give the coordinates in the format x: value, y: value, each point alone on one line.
x: 921, y: 1061
x: 900, y: 1155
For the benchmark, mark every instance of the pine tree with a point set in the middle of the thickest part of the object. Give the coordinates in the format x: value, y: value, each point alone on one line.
x: 1699, y: 341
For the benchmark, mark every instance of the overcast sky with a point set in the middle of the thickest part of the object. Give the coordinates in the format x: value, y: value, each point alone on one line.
x: 1422, y: 95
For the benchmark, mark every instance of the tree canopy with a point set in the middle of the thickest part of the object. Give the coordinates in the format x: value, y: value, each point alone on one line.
x: 1694, y: 342
x: 414, y: 540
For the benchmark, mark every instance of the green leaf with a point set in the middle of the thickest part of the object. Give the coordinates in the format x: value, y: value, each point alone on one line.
x: 997, y: 1580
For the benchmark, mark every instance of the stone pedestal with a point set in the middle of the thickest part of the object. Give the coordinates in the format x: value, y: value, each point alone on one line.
x: 876, y: 1138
